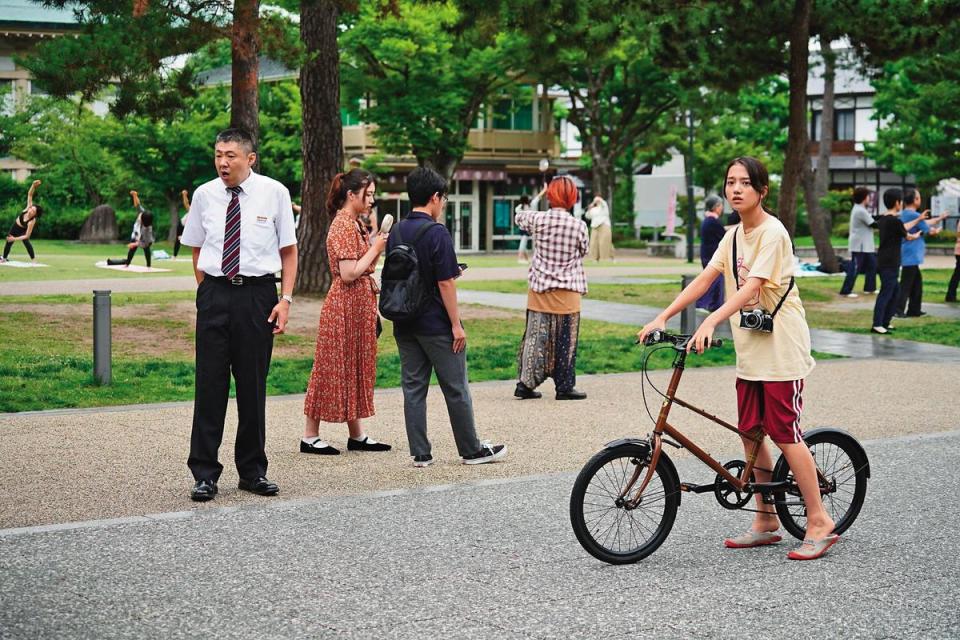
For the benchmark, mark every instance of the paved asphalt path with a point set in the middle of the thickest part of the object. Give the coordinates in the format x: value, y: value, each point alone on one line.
x: 493, y: 559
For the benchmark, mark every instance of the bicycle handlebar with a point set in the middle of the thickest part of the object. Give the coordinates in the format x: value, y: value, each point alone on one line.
x: 677, y: 340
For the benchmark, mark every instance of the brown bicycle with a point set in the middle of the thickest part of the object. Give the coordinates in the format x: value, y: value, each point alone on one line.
x: 625, y: 499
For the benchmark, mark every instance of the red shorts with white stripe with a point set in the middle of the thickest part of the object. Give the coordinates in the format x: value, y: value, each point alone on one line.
x: 774, y: 407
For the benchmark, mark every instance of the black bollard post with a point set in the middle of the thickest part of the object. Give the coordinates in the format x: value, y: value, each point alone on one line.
x: 102, y: 348
x: 688, y: 317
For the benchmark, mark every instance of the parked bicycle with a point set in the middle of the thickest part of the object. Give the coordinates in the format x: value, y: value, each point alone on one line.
x: 625, y: 499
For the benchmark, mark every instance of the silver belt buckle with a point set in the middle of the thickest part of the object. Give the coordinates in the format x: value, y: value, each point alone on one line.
x: 237, y: 280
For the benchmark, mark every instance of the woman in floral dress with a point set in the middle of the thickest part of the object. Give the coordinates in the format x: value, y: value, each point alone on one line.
x: 345, y: 364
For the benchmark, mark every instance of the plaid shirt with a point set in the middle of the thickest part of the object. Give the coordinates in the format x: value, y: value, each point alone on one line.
x: 559, y: 244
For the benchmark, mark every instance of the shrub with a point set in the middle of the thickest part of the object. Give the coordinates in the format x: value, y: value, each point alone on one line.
x: 60, y: 224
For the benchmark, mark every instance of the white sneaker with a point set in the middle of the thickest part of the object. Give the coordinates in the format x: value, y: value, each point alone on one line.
x: 852, y: 295
x: 879, y: 330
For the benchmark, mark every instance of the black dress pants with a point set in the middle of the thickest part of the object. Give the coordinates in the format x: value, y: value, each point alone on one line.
x: 233, y: 336
x: 911, y: 291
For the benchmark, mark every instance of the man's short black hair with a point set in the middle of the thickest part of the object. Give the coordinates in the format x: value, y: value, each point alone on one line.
x: 240, y: 136
x: 860, y: 194
x: 891, y: 197
x: 422, y: 184
x: 909, y: 195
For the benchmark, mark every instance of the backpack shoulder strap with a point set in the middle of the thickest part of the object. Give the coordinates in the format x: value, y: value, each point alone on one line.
x: 422, y: 230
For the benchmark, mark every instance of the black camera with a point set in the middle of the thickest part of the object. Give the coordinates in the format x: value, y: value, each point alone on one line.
x: 756, y: 320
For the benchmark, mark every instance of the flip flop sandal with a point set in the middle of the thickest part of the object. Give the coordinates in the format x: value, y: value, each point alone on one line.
x: 817, y: 548
x: 752, y: 539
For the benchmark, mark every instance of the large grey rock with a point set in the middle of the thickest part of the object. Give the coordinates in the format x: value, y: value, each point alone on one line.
x: 101, y: 226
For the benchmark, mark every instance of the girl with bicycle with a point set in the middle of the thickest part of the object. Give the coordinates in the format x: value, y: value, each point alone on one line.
x: 772, y: 342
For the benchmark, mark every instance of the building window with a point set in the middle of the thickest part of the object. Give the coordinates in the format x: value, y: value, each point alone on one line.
x: 511, y: 114
x: 843, y: 124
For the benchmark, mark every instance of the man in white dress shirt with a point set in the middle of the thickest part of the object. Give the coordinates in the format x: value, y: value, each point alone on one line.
x: 242, y: 232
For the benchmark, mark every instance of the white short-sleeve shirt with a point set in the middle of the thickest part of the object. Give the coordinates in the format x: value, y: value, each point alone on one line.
x: 266, y: 225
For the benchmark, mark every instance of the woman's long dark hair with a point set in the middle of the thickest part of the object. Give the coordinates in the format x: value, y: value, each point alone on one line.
x: 352, y: 181
x: 759, y: 178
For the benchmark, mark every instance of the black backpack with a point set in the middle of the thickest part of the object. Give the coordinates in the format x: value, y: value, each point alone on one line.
x: 404, y: 290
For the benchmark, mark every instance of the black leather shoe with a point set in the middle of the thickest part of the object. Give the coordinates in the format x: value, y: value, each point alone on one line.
x: 573, y: 394
x: 204, y: 490
x: 366, y: 445
x: 260, y: 486
x: 526, y: 393
x: 313, y: 447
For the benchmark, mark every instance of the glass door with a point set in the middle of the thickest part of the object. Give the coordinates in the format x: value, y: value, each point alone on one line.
x: 462, y: 224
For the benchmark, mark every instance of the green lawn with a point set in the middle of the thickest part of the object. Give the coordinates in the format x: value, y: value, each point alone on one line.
x: 48, y: 364
x: 73, y: 261
x: 825, y: 309
x: 70, y: 260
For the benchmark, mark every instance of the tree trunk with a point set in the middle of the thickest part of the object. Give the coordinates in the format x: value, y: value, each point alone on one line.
x: 322, y: 138
x: 173, y: 205
x: 816, y: 186
x: 244, y: 48
x: 797, y: 152
x: 602, y: 176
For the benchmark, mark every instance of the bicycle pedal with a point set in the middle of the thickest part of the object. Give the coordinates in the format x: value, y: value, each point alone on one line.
x: 695, y: 488
x: 768, y: 498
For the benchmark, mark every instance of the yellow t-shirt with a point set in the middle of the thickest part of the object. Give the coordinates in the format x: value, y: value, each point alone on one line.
x: 766, y: 252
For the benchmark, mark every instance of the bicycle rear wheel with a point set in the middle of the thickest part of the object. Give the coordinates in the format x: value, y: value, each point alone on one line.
x: 841, y: 459
x: 603, y: 524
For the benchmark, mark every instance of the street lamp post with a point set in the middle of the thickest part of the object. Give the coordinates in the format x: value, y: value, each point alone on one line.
x: 691, y: 210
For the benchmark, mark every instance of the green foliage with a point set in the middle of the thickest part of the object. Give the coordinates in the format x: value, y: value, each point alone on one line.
x: 61, y: 223
x: 918, y: 100
x: 65, y: 142
x: 13, y: 195
x: 280, y: 126
x: 750, y: 122
x: 426, y: 69
x: 114, y: 48
x: 601, y: 54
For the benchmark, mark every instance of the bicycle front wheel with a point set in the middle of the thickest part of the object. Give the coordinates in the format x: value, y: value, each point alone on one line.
x: 844, y: 465
x: 605, y: 526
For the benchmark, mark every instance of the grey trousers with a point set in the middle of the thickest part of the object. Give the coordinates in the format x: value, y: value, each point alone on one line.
x: 419, y: 357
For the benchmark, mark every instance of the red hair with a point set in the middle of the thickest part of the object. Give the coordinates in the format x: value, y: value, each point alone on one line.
x: 562, y: 193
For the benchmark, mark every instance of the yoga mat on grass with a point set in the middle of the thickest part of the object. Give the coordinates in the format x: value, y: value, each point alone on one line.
x: 133, y: 268
x: 20, y: 264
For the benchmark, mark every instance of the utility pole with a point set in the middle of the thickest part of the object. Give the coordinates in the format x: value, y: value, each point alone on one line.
x: 691, y: 210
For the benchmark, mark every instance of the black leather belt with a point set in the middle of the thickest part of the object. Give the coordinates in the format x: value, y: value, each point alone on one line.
x: 240, y: 281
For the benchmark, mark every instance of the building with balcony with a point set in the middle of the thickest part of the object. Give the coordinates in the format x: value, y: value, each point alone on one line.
x: 506, y: 146
x: 23, y: 24
x: 855, y: 124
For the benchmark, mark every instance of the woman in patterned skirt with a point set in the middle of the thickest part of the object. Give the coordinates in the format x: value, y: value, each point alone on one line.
x: 345, y: 364
x: 556, y: 283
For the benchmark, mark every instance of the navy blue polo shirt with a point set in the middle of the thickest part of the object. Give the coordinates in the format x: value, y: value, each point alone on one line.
x: 438, y: 260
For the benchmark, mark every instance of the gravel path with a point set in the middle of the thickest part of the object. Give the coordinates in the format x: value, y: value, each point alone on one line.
x: 105, y: 463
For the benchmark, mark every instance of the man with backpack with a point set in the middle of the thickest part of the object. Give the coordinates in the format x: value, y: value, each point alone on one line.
x: 419, y: 294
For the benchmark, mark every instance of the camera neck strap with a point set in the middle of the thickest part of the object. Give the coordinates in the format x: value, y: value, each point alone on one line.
x: 736, y: 276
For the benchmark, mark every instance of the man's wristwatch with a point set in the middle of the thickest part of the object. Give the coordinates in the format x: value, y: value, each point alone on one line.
x: 289, y: 299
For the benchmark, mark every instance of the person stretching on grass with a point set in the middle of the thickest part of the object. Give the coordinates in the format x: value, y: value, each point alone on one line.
x: 771, y: 365
x: 23, y: 226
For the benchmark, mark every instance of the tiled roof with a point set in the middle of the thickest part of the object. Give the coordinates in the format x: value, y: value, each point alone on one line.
x: 270, y: 71
x: 26, y: 13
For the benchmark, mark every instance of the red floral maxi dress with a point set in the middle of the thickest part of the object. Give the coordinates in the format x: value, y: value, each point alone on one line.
x: 345, y: 363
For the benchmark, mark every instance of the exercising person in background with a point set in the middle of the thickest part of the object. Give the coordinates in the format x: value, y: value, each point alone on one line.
x: 23, y: 225
x: 182, y: 221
